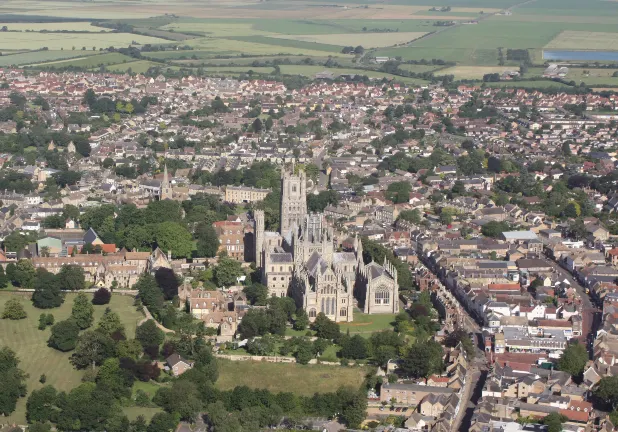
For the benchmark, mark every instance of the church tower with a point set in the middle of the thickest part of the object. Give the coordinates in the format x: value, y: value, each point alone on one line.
x: 165, y: 192
x: 258, y: 215
x: 293, y: 200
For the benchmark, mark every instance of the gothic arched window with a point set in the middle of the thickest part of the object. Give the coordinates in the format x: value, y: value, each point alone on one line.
x: 382, y: 296
x: 312, y: 313
x: 343, y: 312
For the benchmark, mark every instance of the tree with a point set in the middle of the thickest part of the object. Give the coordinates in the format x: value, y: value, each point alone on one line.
x: 64, y: 335
x: 207, y: 240
x: 354, y: 347
x: 325, y: 328
x: 174, y: 237
x: 304, y: 352
x: 101, y: 296
x: 412, y: 216
x: 163, y: 422
x: 257, y: 294
x: 148, y: 334
x: 45, y: 320
x: 92, y: 348
x: 554, y: 421
x: 149, y: 293
x: 181, y: 398
x: 227, y: 271
x: 606, y: 391
x: 574, y: 359
x: 257, y: 125
x: 40, y: 405
x: 423, y: 359
x: 25, y: 274
x: 302, y: 319
x: 460, y: 336
x: 47, y: 292
x: 110, y: 323
x: 399, y: 192
x: 168, y: 282
x: 13, y: 310
x: 494, y: 229
x: 4, y: 280
x: 83, y: 311
x: 13, y: 381
x: 71, y: 277
x: 354, y: 410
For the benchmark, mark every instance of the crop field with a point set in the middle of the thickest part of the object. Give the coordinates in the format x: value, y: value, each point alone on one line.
x: 36, y: 358
x: 237, y: 47
x: 474, y: 72
x: 287, y: 377
x: 292, y: 43
x: 68, y: 41
x: 41, y: 56
x: 585, y: 41
x: 528, y: 84
x: 89, y: 62
x: 367, y: 40
x: 139, y: 66
x: 54, y: 27
x: 312, y: 70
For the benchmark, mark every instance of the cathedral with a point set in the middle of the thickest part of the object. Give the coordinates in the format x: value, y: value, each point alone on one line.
x: 301, y: 261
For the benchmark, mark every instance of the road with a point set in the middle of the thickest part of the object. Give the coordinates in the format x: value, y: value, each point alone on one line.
x: 591, y: 315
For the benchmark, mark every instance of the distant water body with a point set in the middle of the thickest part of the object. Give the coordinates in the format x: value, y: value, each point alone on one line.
x: 581, y: 55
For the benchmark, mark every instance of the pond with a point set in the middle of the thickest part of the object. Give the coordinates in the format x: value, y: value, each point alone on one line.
x: 580, y: 55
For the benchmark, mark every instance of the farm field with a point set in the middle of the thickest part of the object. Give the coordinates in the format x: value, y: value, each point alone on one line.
x: 585, y: 41
x: 41, y: 56
x: 139, y: 66
x: 55, y: 27
x: 285, y: 377
x: 68, y: 41
x: 312, y: 70
x: 89, y: 62
x: 367, y: 40
x: 474, y: 72
x: 36, y: 358
x: 527, y: 84
x: 238, y: 47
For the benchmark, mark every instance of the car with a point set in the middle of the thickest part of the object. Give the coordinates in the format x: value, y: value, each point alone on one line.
x: 381, y: 408
x: 404, y: 410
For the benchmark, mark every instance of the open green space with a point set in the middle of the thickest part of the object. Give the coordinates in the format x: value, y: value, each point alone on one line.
x: 139, y: 66
x: 36, y: 358
x: 73, y: 41
x: 367, y: 324
x: 89, y: 62
x: 308, y: 70
x: 541, y: 84
x: 287, y: 377
x: 31, y: 57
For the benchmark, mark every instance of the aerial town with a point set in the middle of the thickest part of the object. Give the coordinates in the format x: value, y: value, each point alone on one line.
x: 218, y: 254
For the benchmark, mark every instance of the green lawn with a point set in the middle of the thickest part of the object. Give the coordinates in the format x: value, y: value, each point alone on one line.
x: 36, y: 358
x: 133, y: 412
x: 287, y: 377
x: 366, y: 324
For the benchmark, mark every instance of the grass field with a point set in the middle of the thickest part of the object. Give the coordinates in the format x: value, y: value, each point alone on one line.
x: 283, y: 377
x: 367, y: 40
x: 312, y: 70
x: 139, y: 66
x: 366, y: 324
x: 89, y: 62
x: 585, y: 41
x: 41, y: 56
x: 55, y: 26
x: 528, y: 84
x: 474, y: 72
x: 36, y: 358
x: 75, y: 41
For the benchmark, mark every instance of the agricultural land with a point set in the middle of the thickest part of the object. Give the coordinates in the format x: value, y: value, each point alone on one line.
x: 466, y: 40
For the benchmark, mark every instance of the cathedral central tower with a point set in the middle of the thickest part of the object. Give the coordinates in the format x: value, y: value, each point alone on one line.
x: 293, y: 200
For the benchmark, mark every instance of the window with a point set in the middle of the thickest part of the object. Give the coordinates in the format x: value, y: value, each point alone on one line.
x: 382, y: 297
x: 294, y: 188
x: 343, y: 312
x: 312, y: 313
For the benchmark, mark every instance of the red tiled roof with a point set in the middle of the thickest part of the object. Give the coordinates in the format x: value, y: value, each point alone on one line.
x: 504, y: 287
x: 577, y: 416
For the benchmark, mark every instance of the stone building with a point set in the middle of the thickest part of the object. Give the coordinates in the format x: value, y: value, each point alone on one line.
x: 244, y: 194
x: 301, y: 262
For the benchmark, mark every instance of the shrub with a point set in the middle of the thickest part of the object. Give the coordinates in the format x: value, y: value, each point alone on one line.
x: 101, y: 297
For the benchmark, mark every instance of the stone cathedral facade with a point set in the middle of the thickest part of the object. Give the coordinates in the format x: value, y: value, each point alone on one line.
x: 301, y: 261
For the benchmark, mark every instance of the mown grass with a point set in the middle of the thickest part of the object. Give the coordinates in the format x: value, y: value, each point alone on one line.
x: 36, y: 358
x: 287, y: 377
x: 365, y: 324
